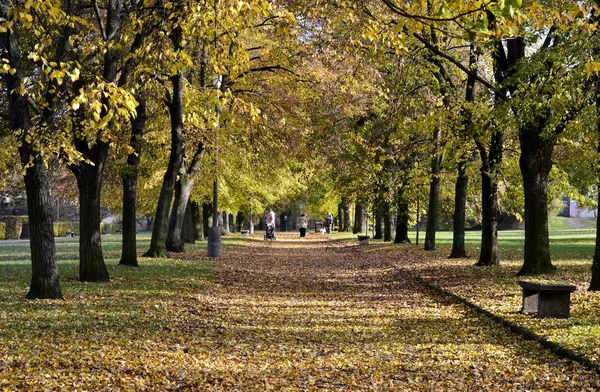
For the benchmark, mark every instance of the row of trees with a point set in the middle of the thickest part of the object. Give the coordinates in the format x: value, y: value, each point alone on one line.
x: 511, y: 84
x: 326, y: 103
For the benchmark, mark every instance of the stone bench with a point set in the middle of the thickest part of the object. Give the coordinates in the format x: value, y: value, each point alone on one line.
x: 363, y: 239
x: 548, y: 300
x: 245, y: 233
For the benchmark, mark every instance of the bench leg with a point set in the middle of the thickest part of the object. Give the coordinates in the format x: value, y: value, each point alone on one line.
x: 530, y: 301
x: 556, y: 305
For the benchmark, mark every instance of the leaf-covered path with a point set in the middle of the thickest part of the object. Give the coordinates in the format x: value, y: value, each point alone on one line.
x: 290, y: 315
x: 319, y: 315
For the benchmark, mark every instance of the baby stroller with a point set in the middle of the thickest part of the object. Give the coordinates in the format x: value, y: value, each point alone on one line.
x: 270, y: 232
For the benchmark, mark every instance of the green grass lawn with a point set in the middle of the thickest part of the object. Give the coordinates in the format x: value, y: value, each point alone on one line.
x: 15, y: 267
x: 566, y: 243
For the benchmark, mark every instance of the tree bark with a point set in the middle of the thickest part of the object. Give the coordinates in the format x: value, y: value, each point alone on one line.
x: 489, y: 213
x: 89, y: 181
x: 282, y: 223
x: 359, y: 218
x: 460, y: 202
x: 595, y: 282
x: 387, y: 221
x: 378, y: 220
x: 44, y: 271
x: 89, y: 173
x: 130, y: 179
x: 231, y: 223
x: 462, y: 181
x: 346, y: 221
x: 402, y: 220
x: 183, y: 189
x: 225, y: 222
x: 188, y: 232
x: 197, y: 221
x: 535, y: 163
x: 206, y: 208
x: 159, y: 232
x: 434, y: 193
x: 45, y: 283
x: 240, y: 219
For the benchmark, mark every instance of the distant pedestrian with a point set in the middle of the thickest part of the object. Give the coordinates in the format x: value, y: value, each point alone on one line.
x: 329, y: 223
x: 302, y: 225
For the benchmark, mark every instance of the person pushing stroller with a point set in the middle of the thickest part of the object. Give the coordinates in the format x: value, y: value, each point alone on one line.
x: 270, y: 227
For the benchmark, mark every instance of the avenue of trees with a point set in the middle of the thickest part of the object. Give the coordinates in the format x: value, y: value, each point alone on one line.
x: 472, y: 108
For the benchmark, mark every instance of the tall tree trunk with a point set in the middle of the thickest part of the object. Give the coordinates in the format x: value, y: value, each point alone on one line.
x: 159, y: 232
x: 595, y: 282
x: 345, y: 217
x: 240, y: 219
x: 359, y: 218
x: 89, y: 181
x: 183, y: 189
x: 188, y: 232
x: 282, y: 222
x: 402, y: 219
x: 460, y: 202
x: 231, y: 223
x: 346, y: 221
x: 206, y: 208
x: 130, y: 179
x: 44, y: 271
x: 434, y: 193
x: 340, y: 215
x: 225, y: 221
x: 489, y: 213
x: 197, y: 221
x: 45, y: 283
x: 535, y: 163
x: 387, y: 222
x: 462, y: 181
x: 378, y: 220
x: 89, y: 172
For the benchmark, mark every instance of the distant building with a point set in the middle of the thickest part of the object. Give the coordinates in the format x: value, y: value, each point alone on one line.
x: 574, y: 210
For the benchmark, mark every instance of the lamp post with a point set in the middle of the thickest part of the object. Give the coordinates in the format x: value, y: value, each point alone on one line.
x: 215, y: 246
x: 251, y: 224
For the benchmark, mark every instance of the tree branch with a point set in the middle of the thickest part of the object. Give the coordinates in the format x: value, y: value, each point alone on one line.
x: 266, y: 68
x: 100, y: 22
x: 398, y: 10
x: 457, y: 63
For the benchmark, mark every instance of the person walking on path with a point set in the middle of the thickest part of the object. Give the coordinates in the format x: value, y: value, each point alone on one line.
x: 329, y: 223
x: 302, y: 224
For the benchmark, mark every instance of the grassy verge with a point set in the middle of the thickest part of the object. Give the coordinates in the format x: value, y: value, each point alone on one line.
x: 496, y: 289
x: 104, y: 335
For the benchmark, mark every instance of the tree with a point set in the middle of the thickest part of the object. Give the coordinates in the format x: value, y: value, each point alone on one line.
x: 174, y: 102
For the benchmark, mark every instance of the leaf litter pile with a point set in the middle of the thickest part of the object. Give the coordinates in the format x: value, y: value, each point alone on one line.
x: 287, y: 315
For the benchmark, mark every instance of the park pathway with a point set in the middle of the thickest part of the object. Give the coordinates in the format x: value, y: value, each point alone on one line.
x: 324, y: 315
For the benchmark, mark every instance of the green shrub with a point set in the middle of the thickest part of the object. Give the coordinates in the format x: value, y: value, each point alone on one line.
x: 62, y: 228
x: 109, y: 228
x: 14, y: 226
x: 2, y: 231
x: 25, y: 232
